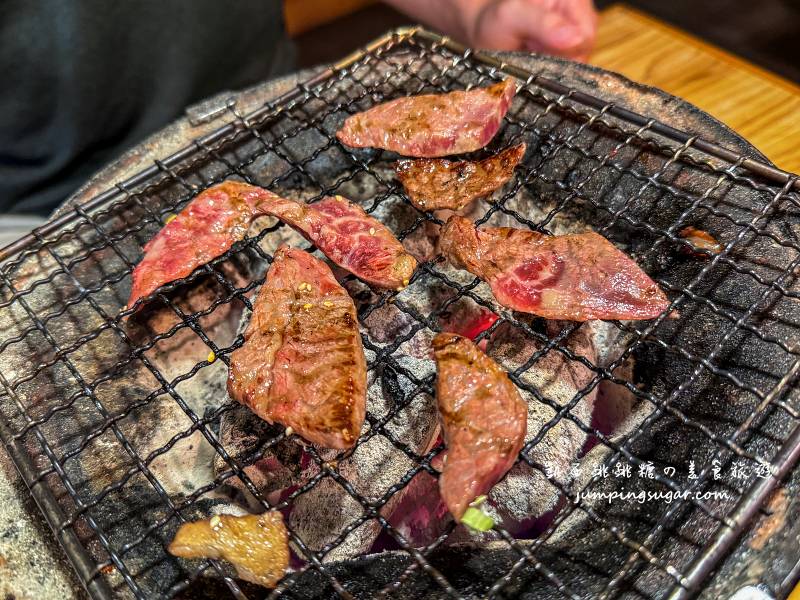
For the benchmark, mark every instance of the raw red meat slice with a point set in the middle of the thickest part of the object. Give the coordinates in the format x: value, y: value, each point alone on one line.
x: 437, y: 183
x: 302, y: 363
x: 221, y: 215
x: 484, y: 421
x: 578, y: 277
x: 431, y: 125
x: 351, y: 238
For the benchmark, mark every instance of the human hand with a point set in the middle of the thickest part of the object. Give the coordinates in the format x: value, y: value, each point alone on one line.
x: 561, y: 27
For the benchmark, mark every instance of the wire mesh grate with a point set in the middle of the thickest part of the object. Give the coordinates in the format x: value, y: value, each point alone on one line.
x: 108, y: 413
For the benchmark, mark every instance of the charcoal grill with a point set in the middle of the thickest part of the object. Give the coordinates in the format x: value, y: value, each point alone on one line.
x: 715, y: 375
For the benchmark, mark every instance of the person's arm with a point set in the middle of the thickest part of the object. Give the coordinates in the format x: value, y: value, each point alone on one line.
x: 563, y: 27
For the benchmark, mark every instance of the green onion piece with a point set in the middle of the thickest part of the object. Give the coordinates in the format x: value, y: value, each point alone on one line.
x: 477, y: 519
x: 478, y: 501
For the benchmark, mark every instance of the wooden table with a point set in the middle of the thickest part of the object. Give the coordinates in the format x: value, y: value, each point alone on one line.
x: 762, y: 107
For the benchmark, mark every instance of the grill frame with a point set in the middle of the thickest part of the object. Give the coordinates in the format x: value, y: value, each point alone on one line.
x: 749, y: 503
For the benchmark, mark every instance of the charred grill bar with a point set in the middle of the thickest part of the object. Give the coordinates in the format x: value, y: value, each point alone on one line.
x: 715, y: 385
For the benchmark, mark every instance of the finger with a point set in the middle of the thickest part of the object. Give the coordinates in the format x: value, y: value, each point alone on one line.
x: 580, y: 54
x: 583, y: 14
x: 580, y: 13
x: 510, y: 24
x: 543, y: 24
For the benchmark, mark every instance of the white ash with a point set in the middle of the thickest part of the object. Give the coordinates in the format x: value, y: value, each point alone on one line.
x: 535, y: 209
x: 610, y: 342
x: 228, y: 509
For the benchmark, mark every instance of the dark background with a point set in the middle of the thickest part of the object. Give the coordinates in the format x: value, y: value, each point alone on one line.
x: 766, y: 32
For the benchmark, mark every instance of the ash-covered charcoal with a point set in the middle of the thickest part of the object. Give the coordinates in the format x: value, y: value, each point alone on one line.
x: 188, y: 463
x: 414, y: 355
x: 387, y: 322
x: 615, y: 402
x: 534, y: 209
x: 421, y: 241
x: 433, y: 296
x: 249, y: 440
x: 273, y: 240
x: 320, y: 515
x: 525, y: 496
x: 525, y: 493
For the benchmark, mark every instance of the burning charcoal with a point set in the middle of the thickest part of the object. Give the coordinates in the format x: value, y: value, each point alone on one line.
x: 386, y: 323
x: 525, y: 497
x: 421, y: 514
x: 463, y: 316
x: 469, y: 323
x: 244, y: 435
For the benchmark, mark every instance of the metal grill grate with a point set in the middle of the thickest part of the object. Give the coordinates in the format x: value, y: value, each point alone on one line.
x: 94, y: 408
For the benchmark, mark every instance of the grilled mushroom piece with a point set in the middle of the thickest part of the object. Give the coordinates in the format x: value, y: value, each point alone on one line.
x: 256, y: 545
